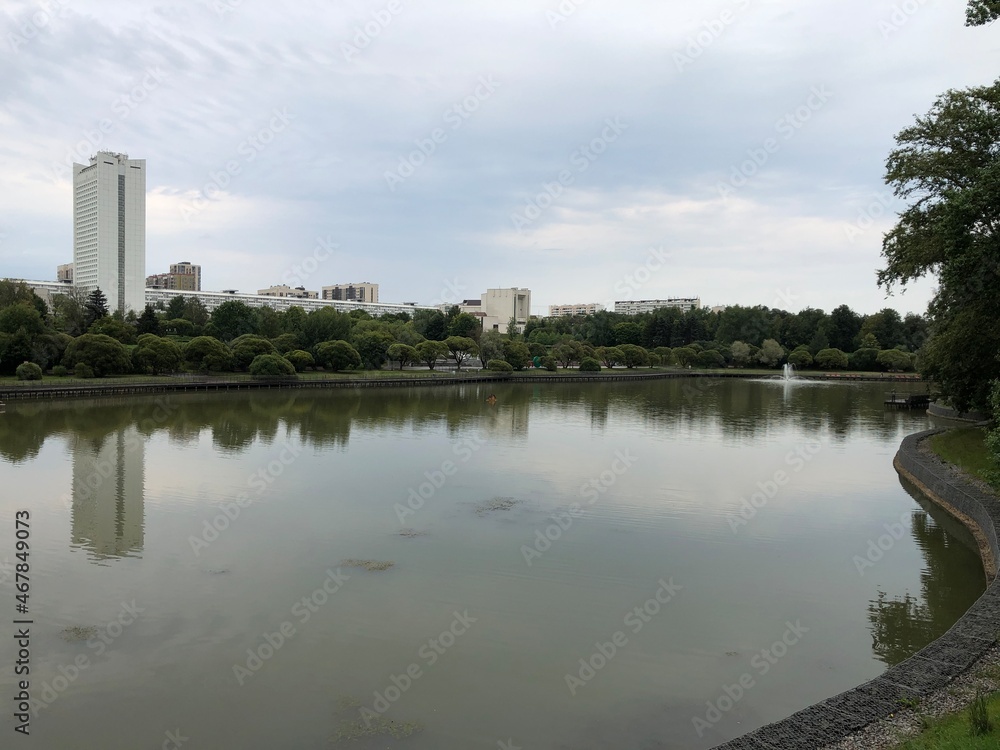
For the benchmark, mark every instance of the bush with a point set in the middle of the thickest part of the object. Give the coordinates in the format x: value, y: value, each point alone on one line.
x: 206, y: 354
x: 338, y: 355
x: 499, y: 365
x: 83, y: 370
x: 589, y: 364
x: 300, y: 359
x: 831, y: 359
x: 549, y: 364
x: 59, y: 371
x: 863, y: 360
x: 28, y: 371
x: 271, y: 367
x: 800, y: 358
x: 247, y: 348
x: 102, y: 354
x: 710, y: 358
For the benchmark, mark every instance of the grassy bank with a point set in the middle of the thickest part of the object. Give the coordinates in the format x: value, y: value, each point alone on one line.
x: 954, y: 732
x: 965, y: 447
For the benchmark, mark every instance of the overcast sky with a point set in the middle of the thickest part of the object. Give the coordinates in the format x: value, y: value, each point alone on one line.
x: 588, y: 150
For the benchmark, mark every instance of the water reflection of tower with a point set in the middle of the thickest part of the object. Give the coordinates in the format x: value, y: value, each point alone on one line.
x: 108, y: 493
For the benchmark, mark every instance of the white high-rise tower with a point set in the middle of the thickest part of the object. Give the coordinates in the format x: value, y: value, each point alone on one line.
x: 109, y: 229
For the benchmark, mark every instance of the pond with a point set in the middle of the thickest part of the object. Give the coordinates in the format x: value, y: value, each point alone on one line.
x: 666, y: 563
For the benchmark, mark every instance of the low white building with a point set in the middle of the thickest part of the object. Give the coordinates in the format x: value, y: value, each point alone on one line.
x: 635, y: 307
x: 568, y: 311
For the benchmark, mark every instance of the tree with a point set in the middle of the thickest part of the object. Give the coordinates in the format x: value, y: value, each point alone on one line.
x: 741, y: 353
x: 402, y: 353
x: 947, y: 166
x: 800, y: 358
x: 461, y: 348
x: 429, y: 352
x: 887, y: 328
x: 115, y: 328
x: 512, y: 332
x: 95, y: 308
x: 465, y: 325
x: 326, y: 324
x: 981, y: 12
x: 247, y: 348
x: 568, y: 353
x: 490, y: 346
x: 337, y: 356
x: 177, y: 327
x: 148, y: 322
x: 517, y: 354
x: 831, y: 359
x: 232, y: 319
x: 175, y: 308
x: 842, y: 328
x: 21, y: 317
x: 286, y: 342
x: 373, y: 346
x: 271, y: 367
x: 863, y: 360
x: 685, y: 356
x: 195, y: 311
x: 207, y: 354
x: 894, y: 360
x: 431, y: 324
x: 634, y: 356
x: 28, y: 371
x: 155, y: 355
x: 300, y: 359
x: 771, y: 353
x: 610, y: 355
x: 589, y: 364
x: 103, y: 354
x: 628, y: 332
x: 68, y: 314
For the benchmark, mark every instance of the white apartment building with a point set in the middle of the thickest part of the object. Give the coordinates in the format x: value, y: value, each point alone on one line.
x: 568, y: 311
x: 185, y: 269
x: 212, y: 300
x: 109, y: 229
x: 284, y: 290
x: 634, y: 307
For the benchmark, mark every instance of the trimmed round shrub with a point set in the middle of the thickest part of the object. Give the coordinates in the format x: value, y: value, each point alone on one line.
x: 300, y: 359
x: 271, y: 367
x: 499, y: 365
x: 83, y: 370
x: 549, y: 364
x: 28, y: 371
x: 59, y: 371
x: 589, y: 364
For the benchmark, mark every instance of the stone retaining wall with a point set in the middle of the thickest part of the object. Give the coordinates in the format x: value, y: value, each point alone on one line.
x: 935, y: 665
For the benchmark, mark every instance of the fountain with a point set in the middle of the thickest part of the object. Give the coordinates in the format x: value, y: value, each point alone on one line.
x: 788, y: 372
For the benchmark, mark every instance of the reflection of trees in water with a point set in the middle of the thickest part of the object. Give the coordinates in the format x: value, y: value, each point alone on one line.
x: 952, y: 579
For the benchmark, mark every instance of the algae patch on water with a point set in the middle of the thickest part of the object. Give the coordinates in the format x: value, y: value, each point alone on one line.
x: 370, y: 725
x: 372, y: 565
x: 78, y: 633
x: 496, y: 505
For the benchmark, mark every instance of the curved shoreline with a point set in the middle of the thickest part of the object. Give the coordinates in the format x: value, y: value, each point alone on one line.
x: 936, y: 665
x: 221, y: 383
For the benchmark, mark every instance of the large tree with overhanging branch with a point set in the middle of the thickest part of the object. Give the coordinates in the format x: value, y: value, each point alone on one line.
x: 982, y: 12
x: 947, y: 167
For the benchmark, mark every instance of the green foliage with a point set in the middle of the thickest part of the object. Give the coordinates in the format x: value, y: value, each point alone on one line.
x: 549, y: 363
x: 461, y: 349
x: 177, y: 327
x: 21, y: 317
x: 233, y: 318
x: 429, y: 352
x: 326, y: 324
x: 710, y: 358
x: 337, y: 356
x: 431, y: 324
x: 103, y: 354
x: 610, y: 355
x: 568, y: 353
x: 28, y: 371
x: 589, y: 364
x: 863, y: 360
x: 207, y: 354
x: 464, y: 325
x: 95, y: 308
x: 665, y: 353
x: 271, y: 367
x: 982, y: 12
x: 83, y: 370
x: 499, y: 365
x: 247, y: 348
x: 148, y: 322
x: 300, y: 359
x: 286, y: 342
x: 628, y: 333
x: 894, y: 360
x: 771, y: 353
x: 403, y: 354
x: 685, y: 356
x: 633, y: 356
x: 490, y: 346
x: 155, y: 355
x: 831, y: 359
x: 175, y: 308
x: 800, y: 358
x: 116, y: 329
x: 59, y: 371
x: 979, y: 716
x: 373, y: 346
x: 512, y: 332
x: 517, y: 354
x: 68, y: 314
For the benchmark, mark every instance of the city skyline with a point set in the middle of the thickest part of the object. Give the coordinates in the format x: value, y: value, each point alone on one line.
x: 589, y: 153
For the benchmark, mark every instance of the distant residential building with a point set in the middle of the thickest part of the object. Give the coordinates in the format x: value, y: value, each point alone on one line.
x: 498, y: 306
x: 720, y: 308
x: 284, y: 290
x: 212, y: 300
x: 186, y: 269
x: 568, y: 311
x: 184, y: 282
x: 64, y: 273
x: 360, y: 292
x: 635, y: 307
x: 109, y: 229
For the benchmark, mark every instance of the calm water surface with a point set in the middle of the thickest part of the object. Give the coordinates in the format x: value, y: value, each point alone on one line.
x: 193, y: 542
